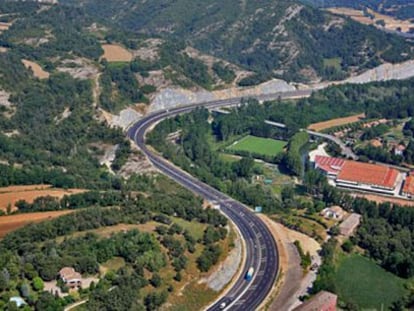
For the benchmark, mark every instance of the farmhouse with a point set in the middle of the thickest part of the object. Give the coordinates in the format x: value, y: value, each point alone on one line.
x: 322, y: 301
x: 334, y: 212
x: 360, y: 176
x: 408, y: 189
x: 70, y: 277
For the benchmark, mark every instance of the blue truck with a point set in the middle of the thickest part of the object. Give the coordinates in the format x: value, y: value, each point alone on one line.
x: 249, y: 274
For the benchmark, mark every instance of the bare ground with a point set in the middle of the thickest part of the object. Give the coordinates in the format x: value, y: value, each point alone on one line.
x: 335, y: 122
x: 11, y: 197
x: 116, y: 53
x: 38, y: 71
x: 137, y: 164
x: 382, y: 199
x: 79, y: 68
x: 391, y: 23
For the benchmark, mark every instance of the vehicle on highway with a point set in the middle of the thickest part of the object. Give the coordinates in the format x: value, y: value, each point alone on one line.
x: 223, y: 305
x: 249, y: 274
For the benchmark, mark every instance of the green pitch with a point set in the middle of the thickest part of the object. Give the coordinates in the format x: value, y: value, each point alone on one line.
x: 265, y: 146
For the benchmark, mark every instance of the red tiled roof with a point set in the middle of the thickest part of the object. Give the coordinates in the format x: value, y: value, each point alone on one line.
x: 409, y: 185
x: 328, y: 164
x: 370, y: 174
x: 320, y: 302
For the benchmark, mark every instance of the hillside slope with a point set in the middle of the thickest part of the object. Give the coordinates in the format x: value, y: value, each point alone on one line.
x: 273, y: 38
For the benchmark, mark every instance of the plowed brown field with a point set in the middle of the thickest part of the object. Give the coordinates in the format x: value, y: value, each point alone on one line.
x: 10, y: 195
x: 14, y: 222
x: 116, y: 53
x: 335, y: 122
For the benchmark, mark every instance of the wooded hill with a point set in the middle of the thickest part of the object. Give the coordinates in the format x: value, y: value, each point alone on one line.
x: 272, y: 38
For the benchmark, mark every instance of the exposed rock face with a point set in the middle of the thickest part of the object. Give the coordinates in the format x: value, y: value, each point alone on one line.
x: 125, y: 118
x: 4, y: 99
x: 169, y: 98
x: 137, y: 164
x: 79, y: 68
x: 386, y: 72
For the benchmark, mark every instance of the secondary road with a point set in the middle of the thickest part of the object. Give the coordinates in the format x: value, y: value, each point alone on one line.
x: 261, y: 251
x: 346, y: 151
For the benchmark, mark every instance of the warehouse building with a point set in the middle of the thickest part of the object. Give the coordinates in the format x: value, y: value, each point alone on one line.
x: 408, y: 189
x: 360, y: 176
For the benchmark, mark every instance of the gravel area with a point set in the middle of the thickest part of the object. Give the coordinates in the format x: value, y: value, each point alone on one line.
x: 172, y: 97
x: 227, y: 269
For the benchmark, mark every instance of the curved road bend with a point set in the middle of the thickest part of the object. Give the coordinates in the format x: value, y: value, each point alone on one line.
x: 261, y: 250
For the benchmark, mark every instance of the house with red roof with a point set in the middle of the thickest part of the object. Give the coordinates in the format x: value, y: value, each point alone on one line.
x: 322, y: 301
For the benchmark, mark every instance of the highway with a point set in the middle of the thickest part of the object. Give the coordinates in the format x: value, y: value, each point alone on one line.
x: 261, y: 251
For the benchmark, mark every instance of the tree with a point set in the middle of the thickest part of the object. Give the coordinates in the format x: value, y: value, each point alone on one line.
x: 38, y: 284
x: 155, y: 300
x: 288, y: 193
x: 348, y: 246
x: 48, y: 302
x: 24, y: 290
x: 156, y: 280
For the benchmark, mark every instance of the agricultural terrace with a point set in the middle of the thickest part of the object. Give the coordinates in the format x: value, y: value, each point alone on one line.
x: 116, y: 53
x: 258, y: 145
x: 335, y: 122
x: 364, y: 283
x: 9, y: 196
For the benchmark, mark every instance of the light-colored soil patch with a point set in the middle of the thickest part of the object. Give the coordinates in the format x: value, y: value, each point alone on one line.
x: 79, y: 68
x: 4, y: 99
x: 137, y: 163
x: 4, y: 26
x: 38, y: 71
x: 14, y: 222
x: 381, y: 199
x: 148, y: 50
x: 335, y: 122
x: 391, y: 23
x: 308, y: 244
x: 116, y: 53
x: 10, y: 198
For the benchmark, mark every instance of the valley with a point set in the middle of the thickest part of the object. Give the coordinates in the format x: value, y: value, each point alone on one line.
x: 99, y: 104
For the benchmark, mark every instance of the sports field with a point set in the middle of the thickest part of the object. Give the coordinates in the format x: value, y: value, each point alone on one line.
x: 361, y: 281
x: 259, y: 145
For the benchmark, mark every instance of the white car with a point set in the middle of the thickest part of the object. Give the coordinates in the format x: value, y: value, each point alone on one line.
x: 222, y: 305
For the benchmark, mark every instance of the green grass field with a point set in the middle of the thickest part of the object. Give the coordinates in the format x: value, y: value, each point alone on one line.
x: 361, y: 281
x: 265, y: 146
x: 333, y: 62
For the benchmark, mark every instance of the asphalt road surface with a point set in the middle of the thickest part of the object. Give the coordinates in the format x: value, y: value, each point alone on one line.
x: 261, y: 251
